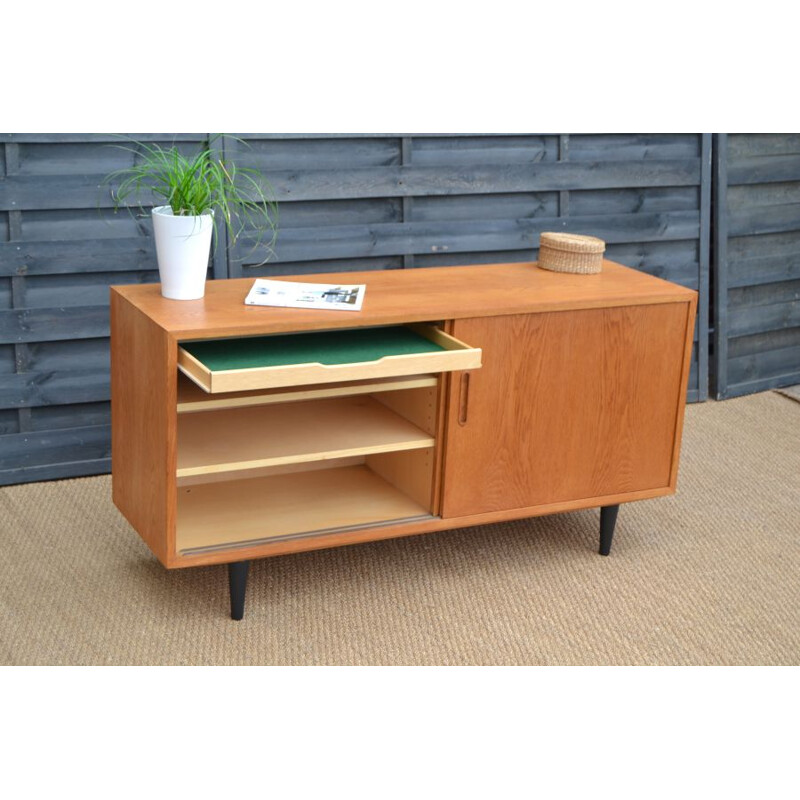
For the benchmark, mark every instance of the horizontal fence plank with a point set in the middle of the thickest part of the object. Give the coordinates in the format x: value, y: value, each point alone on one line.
x: 479, y: 179
x: 745, y: 145
x: 253, y: 136
x: 744, y: 321
x: 55, y: 471
x: 763, y: 194
x: 423, y: 260
x: 74, y: 354
x: 28, y: 192
x: 26, y: 389
x: 414, y: 237
x: 764, y: 219
x: 764, y: 365
x: 764, y: 294
x: 501, y: 205
x: 323, y: 213
x: 271, y: 269
x: 483, y: 150
x: 767, y: 269
x: 47, y: 447
x: 81, y: 289
x: 633, y: 201
x: 638, y: 146
x: 99, y: 160
x: 514, y: 205
x: 49, y: 324
x: 764, y: 170
x: 763, y: 342
x: 773, y: 244
x: 83, y: 225
x: 761, y: 385
x: 69, y: 415
x: 59, y: 138
x: 527, y: 154
x: 62, y: 257
x: 21, y: 192
x: 315, y: 154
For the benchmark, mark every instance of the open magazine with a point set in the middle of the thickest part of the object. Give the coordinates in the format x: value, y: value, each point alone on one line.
x: 331, y: 297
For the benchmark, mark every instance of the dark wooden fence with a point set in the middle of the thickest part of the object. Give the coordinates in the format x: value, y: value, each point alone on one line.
x: 756, y: 263
x: 346, y: 203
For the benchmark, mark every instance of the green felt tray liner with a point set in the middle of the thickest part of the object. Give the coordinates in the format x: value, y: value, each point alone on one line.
x: 328, y: 347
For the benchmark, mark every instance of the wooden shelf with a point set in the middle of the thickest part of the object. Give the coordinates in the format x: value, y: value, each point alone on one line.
x: 192, y: 398
x: 223, y: 515
x: 291, y: 433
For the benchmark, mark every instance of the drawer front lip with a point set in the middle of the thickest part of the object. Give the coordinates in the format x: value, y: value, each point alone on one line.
x: 456, y: 356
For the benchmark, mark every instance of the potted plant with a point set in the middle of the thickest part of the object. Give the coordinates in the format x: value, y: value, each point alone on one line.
x: 200, y: 192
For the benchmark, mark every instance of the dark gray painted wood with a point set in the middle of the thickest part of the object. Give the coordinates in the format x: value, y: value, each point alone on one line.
x: 767, y: 269
x: 746, y: 145
x: 765, y: 366
x: 37, y: 324
x: 765, y: 219
x: 757, y: 319
x: 43, y: 448
x: 764, y: 170
x: 479, y: 179
x: 27, y: 192
x: 702, y: 325
x: 298, y: 244
x: 757, y: 263
x: 347, y: 202
x: 764, y: 342
x: 719, y: 370
x: 34, y: 388
x: 219, y: 255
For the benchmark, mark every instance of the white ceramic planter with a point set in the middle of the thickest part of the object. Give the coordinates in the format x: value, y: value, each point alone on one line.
x: 182, y: 248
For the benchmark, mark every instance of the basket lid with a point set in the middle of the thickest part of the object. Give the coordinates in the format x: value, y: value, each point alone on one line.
x: 572, y: 242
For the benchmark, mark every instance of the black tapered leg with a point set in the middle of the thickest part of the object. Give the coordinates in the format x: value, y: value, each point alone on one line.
x: 608, y: 519
x: 237, y: 578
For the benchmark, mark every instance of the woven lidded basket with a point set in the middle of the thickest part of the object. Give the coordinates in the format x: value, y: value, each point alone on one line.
x: 571, y: 252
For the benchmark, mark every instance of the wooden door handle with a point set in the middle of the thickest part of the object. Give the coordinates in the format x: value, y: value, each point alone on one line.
x: 463, y: 399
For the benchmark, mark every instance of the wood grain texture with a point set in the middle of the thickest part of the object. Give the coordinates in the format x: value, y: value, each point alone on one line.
x: 418, y: 406
x: 438, y: 293
x: 263, y: 472
x: 223, y: 514
x: 691, y: 315
x: 192, y: 398
x: 143, y: 416
x: 291, y: 433
x: 410, y: 471
x: 567, y: 406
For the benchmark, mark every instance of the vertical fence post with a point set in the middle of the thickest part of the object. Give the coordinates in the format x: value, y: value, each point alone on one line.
x: 21, y: 349
x: 408, y: 202
x: 563, y: 155
x: 221, y: 255
x: 705, y: 267
x: 720, y: 265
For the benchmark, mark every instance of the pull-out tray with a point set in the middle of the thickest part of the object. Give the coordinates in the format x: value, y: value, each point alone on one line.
x: 268, y: 362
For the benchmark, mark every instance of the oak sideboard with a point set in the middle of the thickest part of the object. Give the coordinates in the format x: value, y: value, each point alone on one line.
x: 457, y: 396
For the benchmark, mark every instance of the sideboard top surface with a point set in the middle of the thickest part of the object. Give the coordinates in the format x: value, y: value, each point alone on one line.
x: 399, y: 296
